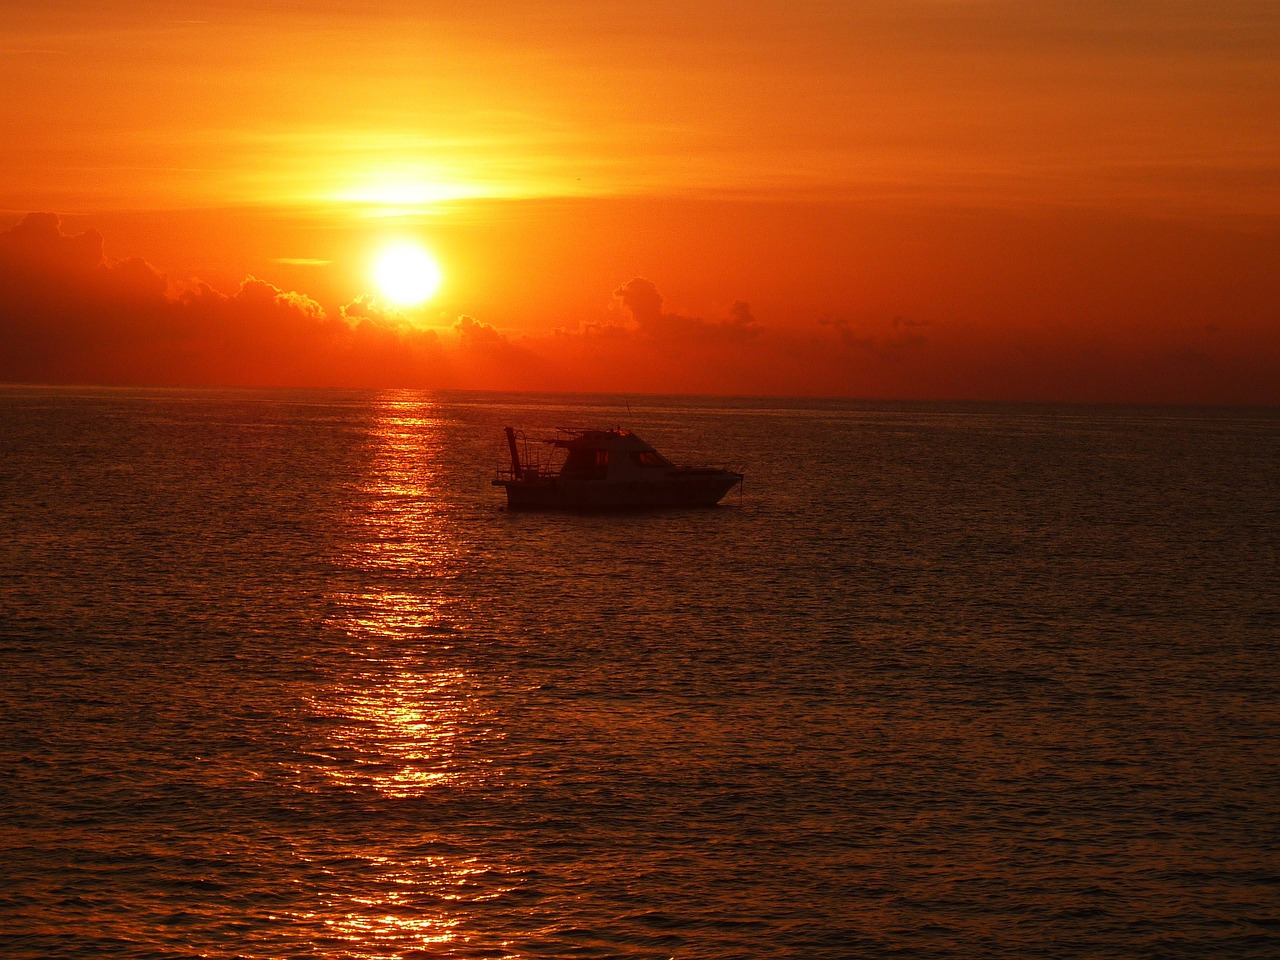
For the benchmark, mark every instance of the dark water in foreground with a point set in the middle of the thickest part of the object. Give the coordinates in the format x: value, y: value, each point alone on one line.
x: 279, y: 678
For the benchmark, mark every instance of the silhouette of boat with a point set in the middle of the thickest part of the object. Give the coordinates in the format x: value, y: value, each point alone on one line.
x: 605, y: 470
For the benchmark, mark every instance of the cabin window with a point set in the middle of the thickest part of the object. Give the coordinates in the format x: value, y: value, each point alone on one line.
x: 649, y: 458
x: 587, y: 464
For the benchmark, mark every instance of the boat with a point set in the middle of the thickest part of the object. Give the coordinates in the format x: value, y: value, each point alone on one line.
x: 604, y: 470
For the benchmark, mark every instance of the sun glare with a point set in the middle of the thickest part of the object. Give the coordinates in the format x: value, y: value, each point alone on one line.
x: 407, y: 274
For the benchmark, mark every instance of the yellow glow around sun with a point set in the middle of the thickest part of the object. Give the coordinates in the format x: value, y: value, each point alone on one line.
x: 407, y: 274
x: 407, y: 193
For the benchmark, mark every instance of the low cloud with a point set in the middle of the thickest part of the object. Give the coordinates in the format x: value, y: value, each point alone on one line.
x: 71, y: 314
x: 493, y: 361
x: 888, y: 341
x: 647, y: 348
x: 481, y: 336
x: 68, y: 313
x: 642, y: 300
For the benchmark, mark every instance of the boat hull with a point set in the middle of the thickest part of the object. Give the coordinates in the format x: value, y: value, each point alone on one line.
x: 681, y: 488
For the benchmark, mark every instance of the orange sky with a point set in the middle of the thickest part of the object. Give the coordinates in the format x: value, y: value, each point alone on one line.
x: 912, y: 198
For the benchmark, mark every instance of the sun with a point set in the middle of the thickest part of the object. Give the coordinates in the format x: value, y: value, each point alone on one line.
x: 406, y: 274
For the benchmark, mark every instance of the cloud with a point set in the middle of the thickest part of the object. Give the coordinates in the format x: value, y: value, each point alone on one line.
x: 481, y: 336
x: 646, y: 348
x: 68, y: 313
x: 37, y: 244
x: 641, y: 298
x: 494, y: 361
x: 368, y: 312
x: 71, y: 314
x: 38, y: 262
x: 889, y: 341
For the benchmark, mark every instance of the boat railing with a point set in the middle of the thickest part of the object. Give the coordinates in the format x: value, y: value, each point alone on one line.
x: 528, y: 471
x: 526, y: 461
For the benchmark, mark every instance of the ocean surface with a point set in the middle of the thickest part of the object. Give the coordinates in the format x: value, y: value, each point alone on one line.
x: 281, y: 677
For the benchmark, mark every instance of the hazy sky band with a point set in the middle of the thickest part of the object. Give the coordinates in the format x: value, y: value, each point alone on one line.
x: 1140, y: 104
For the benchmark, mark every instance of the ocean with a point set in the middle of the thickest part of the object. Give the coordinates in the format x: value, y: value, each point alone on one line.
x: 281, y: 677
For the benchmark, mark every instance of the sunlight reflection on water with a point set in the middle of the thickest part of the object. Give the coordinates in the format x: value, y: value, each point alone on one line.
x: 394, y: 720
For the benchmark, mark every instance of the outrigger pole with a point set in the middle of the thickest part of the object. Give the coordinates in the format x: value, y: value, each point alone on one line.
x: 517, y: 471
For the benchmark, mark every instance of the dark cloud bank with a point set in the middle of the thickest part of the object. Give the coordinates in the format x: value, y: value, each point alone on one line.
x: 70, y: 314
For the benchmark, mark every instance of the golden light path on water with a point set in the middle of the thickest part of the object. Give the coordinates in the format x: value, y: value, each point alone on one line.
x: 395, y: 719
